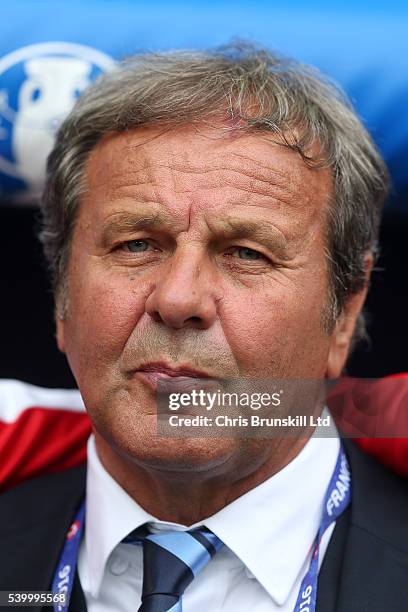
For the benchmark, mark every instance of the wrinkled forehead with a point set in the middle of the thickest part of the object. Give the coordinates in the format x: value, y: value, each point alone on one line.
x: 176, y: 163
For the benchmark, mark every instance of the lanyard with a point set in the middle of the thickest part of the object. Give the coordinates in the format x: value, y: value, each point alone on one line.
x: 337, y: 498
x: 64, y: 576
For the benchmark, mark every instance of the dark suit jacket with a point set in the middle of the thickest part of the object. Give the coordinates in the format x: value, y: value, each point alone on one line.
x: 365, y: 568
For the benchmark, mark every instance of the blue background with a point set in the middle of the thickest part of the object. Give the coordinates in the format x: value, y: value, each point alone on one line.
x: 362, y: 45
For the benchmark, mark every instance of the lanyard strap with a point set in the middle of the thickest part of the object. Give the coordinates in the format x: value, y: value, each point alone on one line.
x: 64, y: 575
x: 337, y: 498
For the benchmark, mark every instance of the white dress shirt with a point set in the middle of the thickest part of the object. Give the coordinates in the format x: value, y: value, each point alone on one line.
x: 268, y: 535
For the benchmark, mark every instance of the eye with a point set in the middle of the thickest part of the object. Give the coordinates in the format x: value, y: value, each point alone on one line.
x: 136, y: 246
x: 248, y: 254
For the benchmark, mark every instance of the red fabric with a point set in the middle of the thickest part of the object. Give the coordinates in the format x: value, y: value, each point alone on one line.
x: 41, y: 440
x: 379, y: 408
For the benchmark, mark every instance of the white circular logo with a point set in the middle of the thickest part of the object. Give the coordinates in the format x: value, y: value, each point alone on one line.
x: 39, y: 85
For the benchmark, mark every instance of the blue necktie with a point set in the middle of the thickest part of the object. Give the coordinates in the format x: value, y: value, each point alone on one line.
x: 171, y: 560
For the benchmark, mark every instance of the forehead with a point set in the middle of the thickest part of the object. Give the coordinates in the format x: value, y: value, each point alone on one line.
x: 206, y: 168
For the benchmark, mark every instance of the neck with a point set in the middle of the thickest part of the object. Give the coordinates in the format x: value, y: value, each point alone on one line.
x: 187, y: 497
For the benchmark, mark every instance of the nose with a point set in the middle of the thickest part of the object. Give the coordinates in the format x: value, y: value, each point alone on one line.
x: 184, y: 294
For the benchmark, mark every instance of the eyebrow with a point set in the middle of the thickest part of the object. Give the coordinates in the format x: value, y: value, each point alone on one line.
x: 129, y: 222
x: 262, y: 231
x: 226, y: 227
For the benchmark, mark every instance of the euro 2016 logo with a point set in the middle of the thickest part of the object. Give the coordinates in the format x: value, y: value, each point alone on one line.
x: 39, y: 85
x: 73, y: 530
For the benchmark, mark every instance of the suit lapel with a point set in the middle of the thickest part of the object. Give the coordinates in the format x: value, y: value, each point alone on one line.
x: 366, y: 569
x: 375, y: 575
x: 34, y: 518
x: 330, y: 571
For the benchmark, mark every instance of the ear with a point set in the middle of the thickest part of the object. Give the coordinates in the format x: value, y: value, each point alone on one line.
x: 60, y: 327
x: 345, y: 326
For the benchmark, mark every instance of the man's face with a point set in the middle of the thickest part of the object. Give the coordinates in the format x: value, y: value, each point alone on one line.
x: 199, y: 250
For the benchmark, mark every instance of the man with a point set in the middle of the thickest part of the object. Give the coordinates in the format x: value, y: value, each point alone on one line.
x: 209, y: 216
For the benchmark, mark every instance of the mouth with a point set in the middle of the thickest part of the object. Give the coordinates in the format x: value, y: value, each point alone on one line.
x: 157, y: 373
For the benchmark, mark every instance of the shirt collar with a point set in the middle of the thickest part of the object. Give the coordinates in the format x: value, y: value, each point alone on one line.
x: 111, y: 514
x: 271, y: 528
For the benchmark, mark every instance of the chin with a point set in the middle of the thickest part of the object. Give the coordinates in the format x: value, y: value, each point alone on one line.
x: 124, y: 430
x: 151, y: 451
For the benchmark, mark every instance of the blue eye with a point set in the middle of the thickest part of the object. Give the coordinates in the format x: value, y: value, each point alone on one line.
x: 137, y: 246
x: 246, y: 253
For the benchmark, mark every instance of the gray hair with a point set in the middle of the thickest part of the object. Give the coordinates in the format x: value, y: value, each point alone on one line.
x: 250, y: 89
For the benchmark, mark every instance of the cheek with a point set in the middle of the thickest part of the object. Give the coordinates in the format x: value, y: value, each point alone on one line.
x: 278, y: 333
x: 102, y: 313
